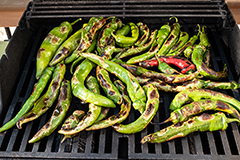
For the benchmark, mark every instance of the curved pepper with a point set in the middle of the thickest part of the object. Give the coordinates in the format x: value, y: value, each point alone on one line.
x: 171, y: 39
x: 72, y: 122
x: 163, y: 33
x: 135, y: 91
x: 37, y: 90
x: 189, y: 50
x: 204, y: 122
x: 203, y: 37
x: 124, y: 30
x: 139, y: 49
x: 183, y: 38
x: 92, y: 113
x: 59, y: 113
x: 165, y: 68
x: 118, y: 118
x: 197, y: 59
x: 47, y: 100
x: 124, y: 41
x: 50, y: 44
x: 168, y: 78
x: 146, y: 117
x: 102, y: 115
x: 197, y: 94
x: 145, y: 33
x: 200, y: 106
x: 79, y: 90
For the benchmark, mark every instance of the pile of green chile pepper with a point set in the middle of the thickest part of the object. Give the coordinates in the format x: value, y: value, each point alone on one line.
x: 109, y: 63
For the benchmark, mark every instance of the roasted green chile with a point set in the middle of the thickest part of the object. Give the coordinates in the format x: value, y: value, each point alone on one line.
x: 59, y: 113
x: 196, y: 94
x: 118, y: 118
x: 146, y: 117
x: 135, y: 91
x: 139, y: 49
x: 165, y: 68
x: 49, y: 97
x: 79, y: 90
x: 198, y: 60
x: 204, y: 122
x: 144, y: 32
x: 163, y: 33
x: 194, y: 108
x: 37, y: 90
x: 108, y: 87
x: 183, y: 38
x: 92, y: 113
x: 189, y: 50
x: 203, y: 37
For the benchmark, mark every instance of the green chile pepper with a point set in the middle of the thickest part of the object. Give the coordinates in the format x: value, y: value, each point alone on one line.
x: 168, y: 78
x: 135, y: 91
x: 200, y: 106
x: 79, y: 90
x: 108, y: 87
x: 171, y: 39
x: 207, y: 57
x: 197, y: 59
x: 165, y: 68
x: 92, y: 113
x: 118, y: 118
x: 59, y: 113
x: 124, y: 30
x: 37, y: 90
x: 139, y: 49
x: 203, y: 37
x: 109, y: 50
x: 103, y: 114
x: 47, y: 100
x: 162, y: 35
x: 189, y: 50
x: 124, y: 41
x: 146, y: 117
x: 105, y: 38
x: 89, y: 34
x: 204, y: 122
x: 72, y: 122
x: 197, y: 94
x: 145, y: 33
x: 183, y: 38
x: 50, y: 44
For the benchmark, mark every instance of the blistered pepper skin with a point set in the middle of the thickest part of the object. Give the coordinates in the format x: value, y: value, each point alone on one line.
x: 135, y: 91
x: 59, y: 113
x: 49, y: 97
x: 196, y: 94
x: 37, y: 90
x: 183, y: 38
x: 146, y: 117
x: 204, y: 122
x: 145, y: 33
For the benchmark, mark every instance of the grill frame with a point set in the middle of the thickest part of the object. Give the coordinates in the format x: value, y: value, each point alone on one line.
x: 70, y: 149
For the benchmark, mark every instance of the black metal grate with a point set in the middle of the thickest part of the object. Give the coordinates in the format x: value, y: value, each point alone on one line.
x: 106, y: 143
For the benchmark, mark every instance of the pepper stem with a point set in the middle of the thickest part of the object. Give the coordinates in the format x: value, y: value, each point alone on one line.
x: 79, y: 19
x: 230, y: 120
x: 174, y: 18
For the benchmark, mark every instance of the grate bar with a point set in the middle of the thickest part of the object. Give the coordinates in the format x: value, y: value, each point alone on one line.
x: 212, y: 146
x: 102, y: 139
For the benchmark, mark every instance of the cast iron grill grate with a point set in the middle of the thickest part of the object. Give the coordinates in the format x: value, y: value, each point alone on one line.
x: 106, y: 143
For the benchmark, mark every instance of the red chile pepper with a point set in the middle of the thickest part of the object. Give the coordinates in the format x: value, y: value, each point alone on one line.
x: 185, y: 65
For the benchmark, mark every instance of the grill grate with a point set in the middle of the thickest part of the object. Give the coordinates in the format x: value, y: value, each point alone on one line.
x: 106, y: 143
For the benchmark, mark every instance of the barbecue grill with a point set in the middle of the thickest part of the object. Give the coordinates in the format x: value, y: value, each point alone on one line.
x: 17, y: 77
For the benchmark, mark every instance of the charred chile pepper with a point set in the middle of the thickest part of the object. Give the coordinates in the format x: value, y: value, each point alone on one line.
x: 200, y: 106
x: 188, y: 51
x: 135, y: 91
x: 109, y: 50
x: 163, y: 33
x: 108, y: 87
x: 124, y: 30
x: 197, y: 59
x: 144, y: 32
x: 72, y: 122
x: 79, y: 90
x: 49, y: 97
x: 146, y: 117
x: 185, y: 65
x: 168, y: 78
x: 89, y: 34
x: 165, y: 68
x: 105, y: 38
x: 50, y: 44
x: 204, y: 122
x: 92, y: 113
x: 59, y: 113
x: 139, y: 49
x: 203, y: 37
x: 171, y: 40
x: 37, y: 90
x: 197, y: 94
x: 124, y: 41
x: 207, y: 57
x: 118, y: 118
x: 102, y: 115
x: 183, y: 38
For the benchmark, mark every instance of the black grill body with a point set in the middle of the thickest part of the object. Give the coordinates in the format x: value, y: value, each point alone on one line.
x: 17, y: 76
